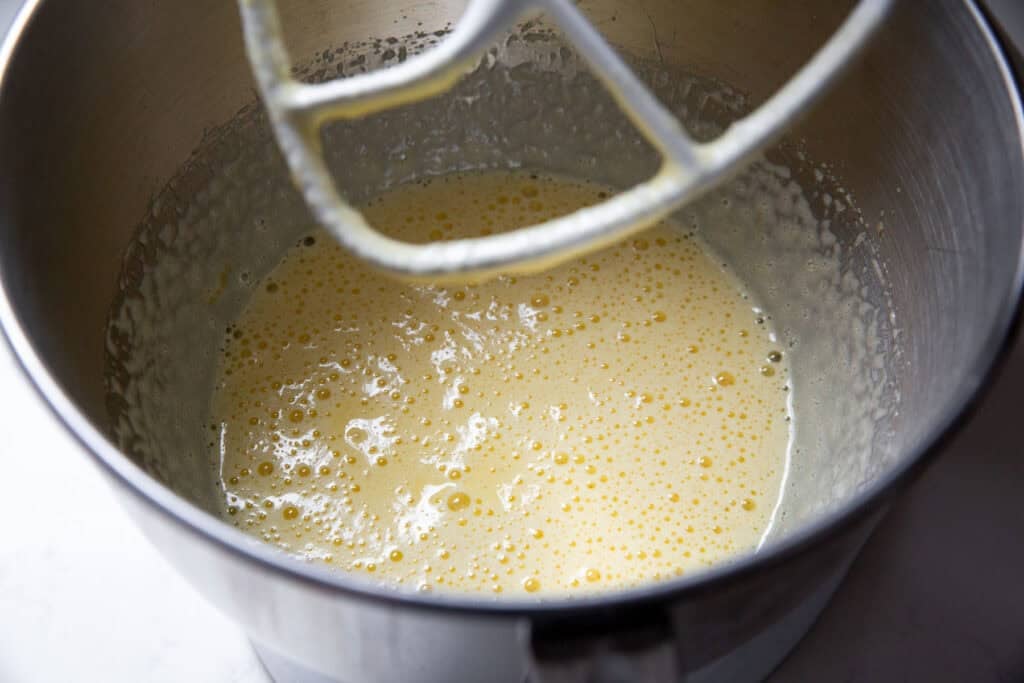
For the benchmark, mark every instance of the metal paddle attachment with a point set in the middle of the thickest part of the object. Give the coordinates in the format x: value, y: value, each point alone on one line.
x: 689, y: 168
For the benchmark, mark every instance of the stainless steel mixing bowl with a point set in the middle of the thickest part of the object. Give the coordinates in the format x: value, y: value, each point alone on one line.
x: 919, y: 204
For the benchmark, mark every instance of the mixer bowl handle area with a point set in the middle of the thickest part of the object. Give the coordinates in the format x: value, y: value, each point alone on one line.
x: 298, y: 110
x: 643, y: 651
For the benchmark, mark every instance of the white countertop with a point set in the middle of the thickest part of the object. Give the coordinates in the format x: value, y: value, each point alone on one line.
x: 936, y: 595
x: 83, y: 595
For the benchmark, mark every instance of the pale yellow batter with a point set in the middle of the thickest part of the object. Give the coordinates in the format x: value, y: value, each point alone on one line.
x: 618, y: 420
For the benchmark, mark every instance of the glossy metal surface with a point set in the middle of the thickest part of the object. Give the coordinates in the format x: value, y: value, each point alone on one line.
x: 927, y: 130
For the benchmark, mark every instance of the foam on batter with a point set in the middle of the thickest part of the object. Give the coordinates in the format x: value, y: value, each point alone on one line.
x: 618, y: 420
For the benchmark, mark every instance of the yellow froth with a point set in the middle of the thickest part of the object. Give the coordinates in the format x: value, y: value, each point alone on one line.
x: 618, y: 420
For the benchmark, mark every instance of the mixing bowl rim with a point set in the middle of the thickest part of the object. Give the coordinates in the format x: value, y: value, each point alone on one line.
x: 227, y: 539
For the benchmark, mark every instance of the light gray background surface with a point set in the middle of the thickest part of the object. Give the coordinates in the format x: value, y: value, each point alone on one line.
x: 937, y: 595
